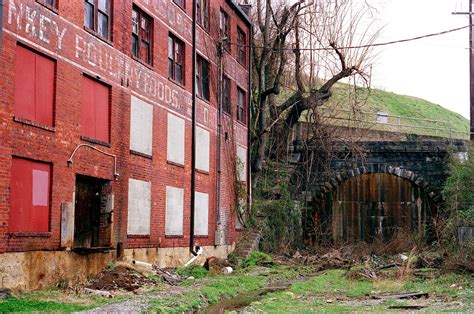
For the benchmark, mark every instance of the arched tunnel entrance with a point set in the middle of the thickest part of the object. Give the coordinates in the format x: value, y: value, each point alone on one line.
x: 374, y: 206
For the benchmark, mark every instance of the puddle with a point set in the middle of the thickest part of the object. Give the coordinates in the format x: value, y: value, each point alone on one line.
x: 245, y: 299
x: 241, y: 300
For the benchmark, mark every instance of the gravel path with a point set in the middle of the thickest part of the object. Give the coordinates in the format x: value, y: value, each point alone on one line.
x: 140, y: 302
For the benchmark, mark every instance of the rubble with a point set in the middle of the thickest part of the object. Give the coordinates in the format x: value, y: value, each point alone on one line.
x: 119, y: 278
x: 5, y: 293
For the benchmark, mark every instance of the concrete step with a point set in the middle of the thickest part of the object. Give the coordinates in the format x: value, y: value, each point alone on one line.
x: 247, y: 243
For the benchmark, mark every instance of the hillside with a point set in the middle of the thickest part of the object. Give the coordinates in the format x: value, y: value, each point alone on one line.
x: 406, y: 114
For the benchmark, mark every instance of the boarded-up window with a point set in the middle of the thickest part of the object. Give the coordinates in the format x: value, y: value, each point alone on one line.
x: 201, y: 214
x: 174, y: 211
x: 95, y: 110
x: 34, y: 86
x: 141, y: 126
x: 202, y: 149
x: 241, y: 163
x: 139, y: 205
x: 175, y: 145
x: 30, y: 190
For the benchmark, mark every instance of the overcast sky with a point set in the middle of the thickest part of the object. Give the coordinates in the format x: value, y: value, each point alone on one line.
x: 436, y: 68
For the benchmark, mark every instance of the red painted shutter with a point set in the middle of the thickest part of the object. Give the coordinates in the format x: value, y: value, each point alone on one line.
x: 87, y: 108
x: 25, y: 84
x: 30, y: 189
x: 95, y: 110
x: 101, y: 112
x: 44, y: 90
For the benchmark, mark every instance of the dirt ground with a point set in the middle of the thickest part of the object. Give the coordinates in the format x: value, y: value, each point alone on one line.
x: 336, y: 281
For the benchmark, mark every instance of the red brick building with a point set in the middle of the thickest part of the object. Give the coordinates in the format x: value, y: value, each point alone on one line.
x: 97, y: 121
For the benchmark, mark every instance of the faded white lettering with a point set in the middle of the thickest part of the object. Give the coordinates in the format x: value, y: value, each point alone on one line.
x: 43, y: 35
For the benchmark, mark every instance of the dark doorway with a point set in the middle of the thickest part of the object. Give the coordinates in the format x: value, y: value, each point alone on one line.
x: 93, y: 213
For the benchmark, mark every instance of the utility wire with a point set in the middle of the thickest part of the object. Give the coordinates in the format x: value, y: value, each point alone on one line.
x: 365, y: 46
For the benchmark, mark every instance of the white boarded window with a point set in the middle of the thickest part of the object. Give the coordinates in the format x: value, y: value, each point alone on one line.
x: 139, y: 205
x: 202, y: 149
x: 174, y: 211
x: 201, y: 213
x: 241, y: 164
x: 175, y: 146
x: 141, y: 126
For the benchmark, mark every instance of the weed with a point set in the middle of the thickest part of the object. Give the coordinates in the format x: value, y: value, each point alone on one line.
x: 257, y: 258
x: 195, y: 271
x: 27, y: 305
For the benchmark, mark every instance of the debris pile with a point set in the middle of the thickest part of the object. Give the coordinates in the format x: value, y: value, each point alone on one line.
x: 119, y: 278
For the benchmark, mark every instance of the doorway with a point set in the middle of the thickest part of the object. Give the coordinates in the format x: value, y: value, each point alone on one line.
x: 93, y: 213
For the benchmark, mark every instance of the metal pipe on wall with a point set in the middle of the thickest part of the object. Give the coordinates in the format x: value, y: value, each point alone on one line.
x: 193, y: 136
x: 249, y: 126
x: 219, y: 133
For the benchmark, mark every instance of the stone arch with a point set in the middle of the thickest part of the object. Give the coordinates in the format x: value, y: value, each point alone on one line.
x: 331, y: 184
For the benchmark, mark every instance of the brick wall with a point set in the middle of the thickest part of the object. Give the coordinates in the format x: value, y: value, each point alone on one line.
x: 61, y: 35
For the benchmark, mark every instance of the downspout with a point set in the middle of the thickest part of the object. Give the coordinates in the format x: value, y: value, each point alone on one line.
x: 219, y: 133
x: 193, y: 137
x: 1, y: 22
x: 249, y: 126
x: 471, y: 69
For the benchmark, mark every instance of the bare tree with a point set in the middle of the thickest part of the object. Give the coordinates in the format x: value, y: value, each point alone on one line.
x: 310, y: 45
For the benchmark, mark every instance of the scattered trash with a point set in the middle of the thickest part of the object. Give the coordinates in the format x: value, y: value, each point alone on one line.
x: 148, y: 265
x: 227, y: 270
x: 215, y: 265
x: 456, y: 286
x: 99, y: 292
x: 403, y: 257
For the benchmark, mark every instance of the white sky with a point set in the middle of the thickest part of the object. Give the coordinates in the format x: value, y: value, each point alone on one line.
x: 436, y: 68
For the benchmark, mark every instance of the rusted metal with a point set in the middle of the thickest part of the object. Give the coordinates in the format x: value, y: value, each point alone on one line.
x: 377, y: 206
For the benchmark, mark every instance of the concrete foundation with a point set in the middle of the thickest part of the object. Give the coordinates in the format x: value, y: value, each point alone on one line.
x: 33, y: 270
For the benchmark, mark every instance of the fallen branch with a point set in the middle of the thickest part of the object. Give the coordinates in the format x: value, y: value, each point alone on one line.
x: 407, y: 295
x: 172, y: 279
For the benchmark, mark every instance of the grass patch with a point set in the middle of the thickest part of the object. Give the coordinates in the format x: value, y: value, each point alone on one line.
x: 443, y: 285
x: 55, y: 300
x: 28, y: 305
x: 195, y: 271
x: 214, y: 290
x: 319, y: 294
x: 330, y: 282
x: 395, y: 105
x: 257, y: 258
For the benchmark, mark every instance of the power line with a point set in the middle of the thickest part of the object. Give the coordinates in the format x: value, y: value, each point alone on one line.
x: 368, y: 45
